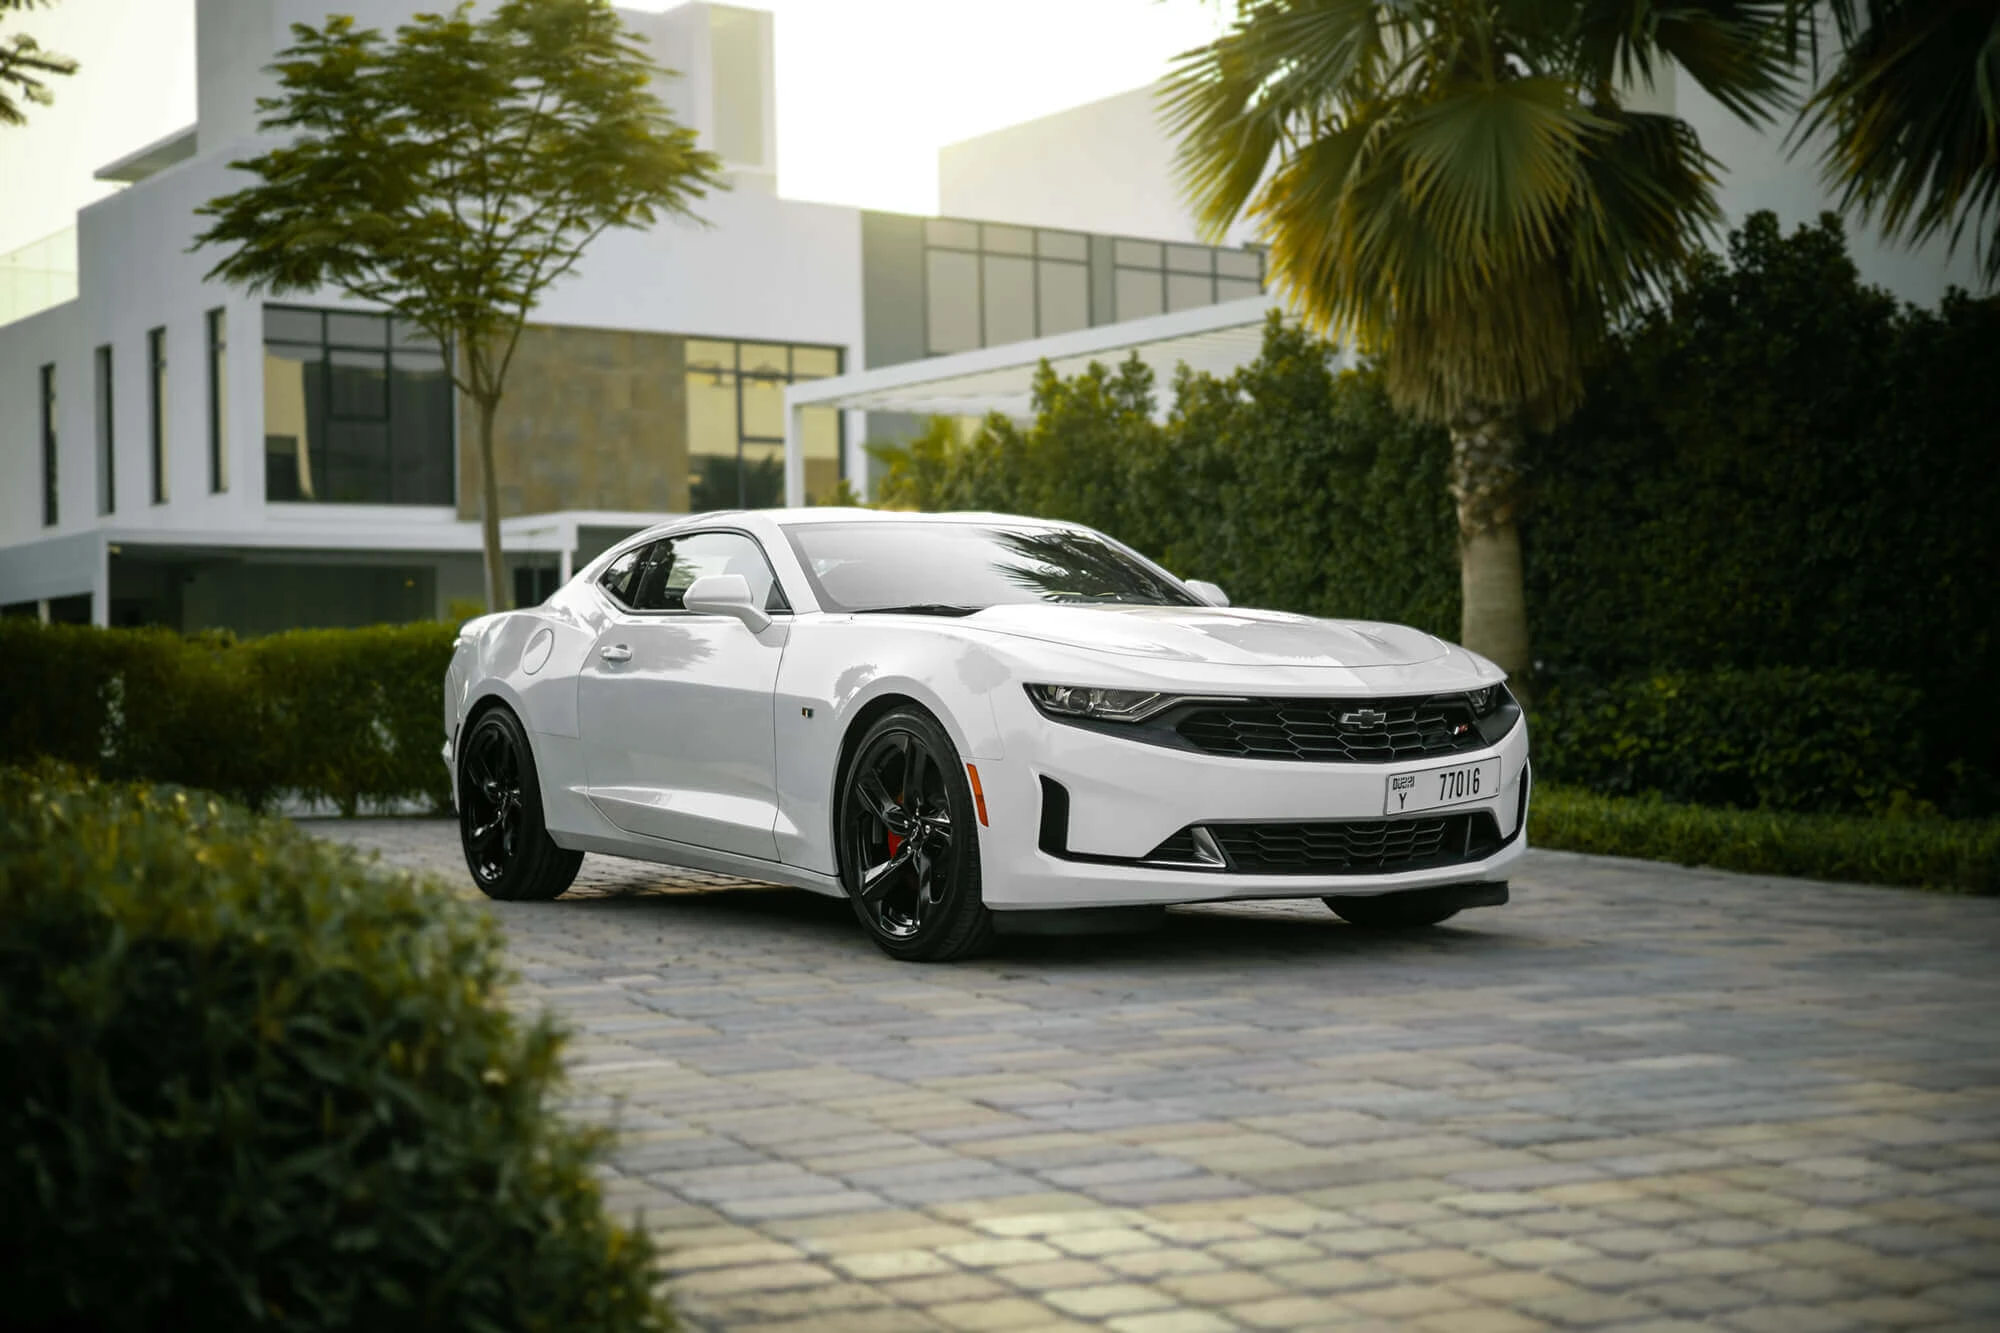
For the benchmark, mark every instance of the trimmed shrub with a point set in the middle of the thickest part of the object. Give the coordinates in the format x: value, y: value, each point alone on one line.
x: 352, y: 716
x: 255, y: 1083
x: 1780, y: 738
x: 1953, y: 856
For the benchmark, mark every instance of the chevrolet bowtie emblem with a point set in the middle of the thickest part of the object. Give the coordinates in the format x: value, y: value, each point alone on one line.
x: 1363, y: 719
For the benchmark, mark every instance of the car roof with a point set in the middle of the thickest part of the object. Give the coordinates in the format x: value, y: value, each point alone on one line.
x: 792, y: 518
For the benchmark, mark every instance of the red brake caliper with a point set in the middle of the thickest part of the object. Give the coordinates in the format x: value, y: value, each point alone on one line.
x: 895, y: 841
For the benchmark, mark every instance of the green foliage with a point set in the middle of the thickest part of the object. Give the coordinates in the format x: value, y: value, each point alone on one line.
x: 1955, y: 856
x: 24, y: 66
x: 253, y: 1083
x: 1909, y: 118
x: 1785, y: 469
x: 1461, y: 188
x: 1290, y: 485
x: 348, y: 716
x: 1780, y: 738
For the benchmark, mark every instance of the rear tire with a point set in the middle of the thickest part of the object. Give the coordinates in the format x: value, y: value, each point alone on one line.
x: 908, y: 839
x: 1410, y: 910
x: 507, y: 844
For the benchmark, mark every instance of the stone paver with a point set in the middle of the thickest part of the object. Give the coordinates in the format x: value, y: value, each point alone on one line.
x: 1639, y: 1097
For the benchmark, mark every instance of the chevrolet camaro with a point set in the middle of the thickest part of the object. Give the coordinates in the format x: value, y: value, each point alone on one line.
x: 974, y: 723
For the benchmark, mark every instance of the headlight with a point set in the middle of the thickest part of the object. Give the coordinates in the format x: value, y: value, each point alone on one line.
x: 1099, y: 705
x: 1494, y: 711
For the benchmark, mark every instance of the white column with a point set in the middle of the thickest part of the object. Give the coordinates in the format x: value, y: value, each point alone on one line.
x: 795, y: 453
x: 100, y: 586
x: 566, y: 534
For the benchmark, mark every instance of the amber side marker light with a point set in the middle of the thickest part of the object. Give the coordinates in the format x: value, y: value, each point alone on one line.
x: 978, y: 795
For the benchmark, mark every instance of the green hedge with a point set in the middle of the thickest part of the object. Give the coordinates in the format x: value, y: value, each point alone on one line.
x: 1956, y: 856
x: 1781, y: 738
x: 255, y: 1083
x: 351, y: 716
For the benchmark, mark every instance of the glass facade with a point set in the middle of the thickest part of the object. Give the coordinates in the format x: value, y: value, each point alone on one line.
x: 218, y: 401
x: 156, y: 402
x: 986, y: 284
x: 1153, y: 278
x: 357, y: 410
x: 736, y: 423
x: 107, y: 451
x: 50, y: 512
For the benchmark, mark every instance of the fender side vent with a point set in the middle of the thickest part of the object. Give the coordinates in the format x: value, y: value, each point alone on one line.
x: 1054, y: 835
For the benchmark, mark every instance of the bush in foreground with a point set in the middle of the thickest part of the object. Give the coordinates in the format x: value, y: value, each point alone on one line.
x: 1956, y: 856
x: 254, y: 1083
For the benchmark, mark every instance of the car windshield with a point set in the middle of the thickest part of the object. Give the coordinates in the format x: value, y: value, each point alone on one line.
x: 959, y: 568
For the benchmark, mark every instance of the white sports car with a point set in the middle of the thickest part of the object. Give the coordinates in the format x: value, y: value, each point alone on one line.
x: 970, y: 723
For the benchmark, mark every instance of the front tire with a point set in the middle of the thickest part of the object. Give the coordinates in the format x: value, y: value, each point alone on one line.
x: 507, y: 845
x: 908, y: 841
x: 1412, y: 909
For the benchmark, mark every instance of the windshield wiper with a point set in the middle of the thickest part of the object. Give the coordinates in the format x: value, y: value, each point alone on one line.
x: 919, y: 609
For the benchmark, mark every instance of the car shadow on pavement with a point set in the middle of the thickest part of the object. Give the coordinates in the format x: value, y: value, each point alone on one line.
x: 1243, y: 931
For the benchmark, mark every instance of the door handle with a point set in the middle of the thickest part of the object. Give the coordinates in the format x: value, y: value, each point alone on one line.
x: 615, y: 652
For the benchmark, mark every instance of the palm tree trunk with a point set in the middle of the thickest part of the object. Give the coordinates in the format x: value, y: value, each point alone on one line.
x: 1485, y: 484
x: 489, y: 507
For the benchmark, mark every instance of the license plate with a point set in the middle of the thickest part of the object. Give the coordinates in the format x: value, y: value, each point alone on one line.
x: 1441, y: 786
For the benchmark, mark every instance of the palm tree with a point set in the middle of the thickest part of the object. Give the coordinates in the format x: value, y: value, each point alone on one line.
x: 1911, y: 118
x: 1464, y: 189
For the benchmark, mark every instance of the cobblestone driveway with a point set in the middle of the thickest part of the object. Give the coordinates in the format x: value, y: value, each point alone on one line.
x: 1638, y: 1098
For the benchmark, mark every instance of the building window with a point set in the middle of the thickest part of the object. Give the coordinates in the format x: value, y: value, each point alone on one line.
x: 107, y: 455
x: 357, y: 410
x: 156, y: 362
x: 736, y: 423
x: 49, y: 509
x: 987, y: 284
x: 1152, y: 278
x: 218, y: 401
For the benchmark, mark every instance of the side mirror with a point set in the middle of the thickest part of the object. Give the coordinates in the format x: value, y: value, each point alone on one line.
x: 1207, y: 591
x: 725, y: 595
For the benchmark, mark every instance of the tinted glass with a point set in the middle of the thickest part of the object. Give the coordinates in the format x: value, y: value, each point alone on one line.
x: 671, y: 567
x: 876, y: 566
x: 619, y: 576
x: 1010, y: 299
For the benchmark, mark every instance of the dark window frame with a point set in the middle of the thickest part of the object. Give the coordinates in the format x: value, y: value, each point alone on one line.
x: 216, y: 322
x: 791, y: 376
x: 51, y: 452
x: 156, y: 398
x: 107, y: 436
x: 395, y: 338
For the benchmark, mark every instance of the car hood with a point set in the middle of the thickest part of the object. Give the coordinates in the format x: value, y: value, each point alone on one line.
x: 1225, y: 636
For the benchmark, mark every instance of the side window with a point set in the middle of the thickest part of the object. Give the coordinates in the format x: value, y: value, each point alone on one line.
x: 621, y: 577
x: 675, y: 564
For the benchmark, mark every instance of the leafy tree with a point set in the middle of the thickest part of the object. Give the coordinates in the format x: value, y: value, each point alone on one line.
x: 1464, y: 188
x: 23, y: 62
x: 453, y: 174
x: 1911, y: 118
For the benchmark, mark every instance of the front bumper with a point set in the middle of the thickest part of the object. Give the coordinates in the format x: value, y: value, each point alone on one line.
x: 1126, y: 798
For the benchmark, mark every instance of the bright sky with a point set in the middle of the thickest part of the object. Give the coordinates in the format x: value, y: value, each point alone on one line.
x: 868, y: 90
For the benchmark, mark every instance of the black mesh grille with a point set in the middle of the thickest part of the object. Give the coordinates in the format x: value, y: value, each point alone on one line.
x: 1376, y: 731
x: 1357, y: 846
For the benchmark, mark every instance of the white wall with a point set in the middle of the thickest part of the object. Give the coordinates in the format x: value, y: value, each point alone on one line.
x: 1759, y: 173
x: 1106, y: 166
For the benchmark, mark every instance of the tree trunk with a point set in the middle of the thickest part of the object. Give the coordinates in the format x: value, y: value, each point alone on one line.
x: 489, y: 508
x: 1486, y: 483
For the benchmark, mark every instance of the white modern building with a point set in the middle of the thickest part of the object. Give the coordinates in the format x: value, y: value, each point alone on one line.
x: 180, y: 453
x: 176, y: 452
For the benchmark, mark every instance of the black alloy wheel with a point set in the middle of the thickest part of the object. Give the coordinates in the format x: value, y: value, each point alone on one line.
x: 909, y: 845
x: 507, y: 846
